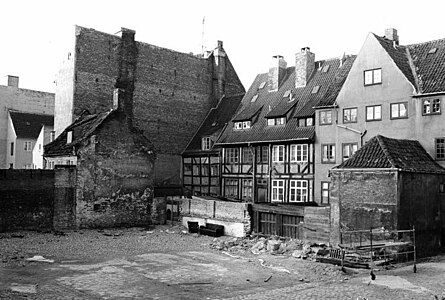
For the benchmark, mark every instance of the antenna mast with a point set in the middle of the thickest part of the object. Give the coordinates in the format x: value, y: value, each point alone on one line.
x: 202, y: 39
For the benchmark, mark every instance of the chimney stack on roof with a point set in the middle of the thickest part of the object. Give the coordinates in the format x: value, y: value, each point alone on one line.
x: 13, y: 81
x: 277, y: 71
x: 304, y: 66
x: 391, y: 34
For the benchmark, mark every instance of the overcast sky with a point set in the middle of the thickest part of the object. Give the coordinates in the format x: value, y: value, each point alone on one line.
x: 36, y: 34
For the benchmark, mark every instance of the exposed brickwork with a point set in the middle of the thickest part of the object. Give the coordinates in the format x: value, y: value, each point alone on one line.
x: 65, y: 198
x: 26, y: 199
x: 304, y: 66
x: 172, y: 91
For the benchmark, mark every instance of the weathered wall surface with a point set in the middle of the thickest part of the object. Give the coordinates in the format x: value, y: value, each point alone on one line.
x: 316, y: 227
x: 363, y: 199
x: 115, y: 179
x: 26, y: 199
x: 65, y: 198
x: 14, y: 98
x: 173, y: 91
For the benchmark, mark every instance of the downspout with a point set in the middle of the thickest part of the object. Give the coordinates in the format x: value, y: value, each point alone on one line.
x: 362, y: 134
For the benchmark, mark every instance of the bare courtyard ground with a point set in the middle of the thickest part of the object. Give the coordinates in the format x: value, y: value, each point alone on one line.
x: 168, y: 263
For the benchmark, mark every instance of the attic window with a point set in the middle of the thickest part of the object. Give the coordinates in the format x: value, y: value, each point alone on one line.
x: 315, y: 89
x: 238, y: 125
x: 262, y: 85
x: 286, y: 94
x: 254, y: 98
x: 276, y: 121
x: 326, y: 68
x: 246, y: 124
x: 206, y: 143
x: 69, y: 137
x: 432, y: 51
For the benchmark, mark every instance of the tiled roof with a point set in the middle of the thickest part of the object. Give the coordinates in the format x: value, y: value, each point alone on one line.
x: 28, y: 125
x: 300, y: 103
x: 215, y: 121
x: 383, y: 152
x: 83, y: 127
x: 430, y: 67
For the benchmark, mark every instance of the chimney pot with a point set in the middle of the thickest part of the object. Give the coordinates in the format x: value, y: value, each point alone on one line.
x: 13, y: 81
x: 277, y: 70
x: 304, y: 66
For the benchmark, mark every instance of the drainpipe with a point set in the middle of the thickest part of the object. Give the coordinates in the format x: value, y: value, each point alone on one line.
x: 362, y: 134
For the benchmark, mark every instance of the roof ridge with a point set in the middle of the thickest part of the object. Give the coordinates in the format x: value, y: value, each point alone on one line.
x: 423, y: 43
x: 381, y: 140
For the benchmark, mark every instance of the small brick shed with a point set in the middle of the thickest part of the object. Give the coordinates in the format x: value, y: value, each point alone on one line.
x: 390, y: 183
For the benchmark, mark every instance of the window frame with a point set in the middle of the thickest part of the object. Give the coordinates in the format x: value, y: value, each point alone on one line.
x: 11, y: 149
x: 398, y: 110
x: 277, y: 190
x: 431, y: 105
x: 328, y: 161
x: 231, y: 156
x: 246, y: 124
x: 206, y: 143
x: 246, y: 188
x: 247, y: 157
x: 229, y: 185
x: 349, y: 145
x: 238, y: 125
x: 442, y: 148
x: 27, y: 146
x: 262, y: 154
x: 304, y: 153
x: 293, y: 191
x: 320, y: 122
x: 373, y: 82
x: 350, y: 109
x: 374, y: 119
x: 323, y: 189
x: 278, y: 156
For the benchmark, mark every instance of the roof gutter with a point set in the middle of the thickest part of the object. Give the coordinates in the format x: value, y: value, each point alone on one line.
x: 327, y: 106
x: 262, y: 142
x: 429, y: 94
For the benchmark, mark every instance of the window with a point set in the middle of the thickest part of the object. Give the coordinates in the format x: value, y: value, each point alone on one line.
x: 298, y: 191
x: 326, y: 117
x: 11, y: 166
x: 309, y: 122
x: 301, y: 122
x: 440, y: 148
x: 247, y: 189
x: 431, y: 106
x: 299, y: 153
x: 349, y: 150
x: 350, y: 115
x: 326, y: 68
x: 206, y: 143
x: 254, y: 98
x: 315, y: 89
x: 325, y: 192
x: 27, y: 146
x: 40, y: 147
x: 328, y: 153
x: 278, y: 190
x: 276, y: 121
x: 232, y: 155
x: 373, y: 76
x: 262, y: 85
x: 247, y: 155
x: 399, y: 110
x: 287, y: 93
x: 278, y: 153
x: 12, y: 148
x: 262, y: 154
x: 238, y: 125
x: 52, y: 136
x: 69, y: 137
x: 246, y: 124
x: 374, y: 113
x: 231, y: 188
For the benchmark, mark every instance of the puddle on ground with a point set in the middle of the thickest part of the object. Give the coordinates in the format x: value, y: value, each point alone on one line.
x: 396, y: 282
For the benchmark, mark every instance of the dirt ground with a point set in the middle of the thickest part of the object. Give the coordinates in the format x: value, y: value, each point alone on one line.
x: 168, y: 263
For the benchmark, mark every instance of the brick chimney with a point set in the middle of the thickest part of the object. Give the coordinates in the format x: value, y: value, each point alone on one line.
x: 391, y: 34
x: 219, y: 71
x: 277, y: 71
x: 13, y: 81
x: 304, y: 66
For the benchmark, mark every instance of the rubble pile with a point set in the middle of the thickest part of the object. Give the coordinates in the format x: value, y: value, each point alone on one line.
x: 271, y: 245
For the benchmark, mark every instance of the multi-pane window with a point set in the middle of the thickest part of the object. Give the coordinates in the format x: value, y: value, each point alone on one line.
x: 278, y: 153
x: 299, y: 153
x: 238, y: 125
x: 399, y: 110
x: 325, y: 192
x: 276, y: 121
x: 254, y: 98
x: 247, y: 189
x: 326, y: 117
x: 349, y: 150
x: 350, y: 115
x: 373, y: 76
x: 246, y: 124
x: 12, y: 148
x: 328, y: 153
x: 247, y: 155
x: 298, y: 191
x: 206, y: 143
x: 431, y: 106
x: 374, y: 113
x: 440, y: 148
x: 301, y: 122
x: 278, y: 190
x: 232, y: 155
x: 309, y: 122
x: 52, y: 136
x: 27, y: 146
x: 262, y: 154
x: 69, y: 137
x: 231, y: 188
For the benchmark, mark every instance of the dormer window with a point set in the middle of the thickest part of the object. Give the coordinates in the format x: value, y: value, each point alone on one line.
x: 262, y: 85
x: 206, y: 143
x: 432, y: 51
x: 254, y: 98
x: 326, y: 68
x: 276, y: 121
x: 286, y: 94
x: 69, y: 137
x: 238, y: 125
x: 246, y: 125
x: 309, y: 121
x: 315, y: 89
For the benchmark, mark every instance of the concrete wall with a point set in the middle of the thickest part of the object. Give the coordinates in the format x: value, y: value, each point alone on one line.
x: 173, y: 91
x: 10, y: 138
x: 26, y: 199
x: 14, y: 98
x: 363, y: 199
x: 114, y: 179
